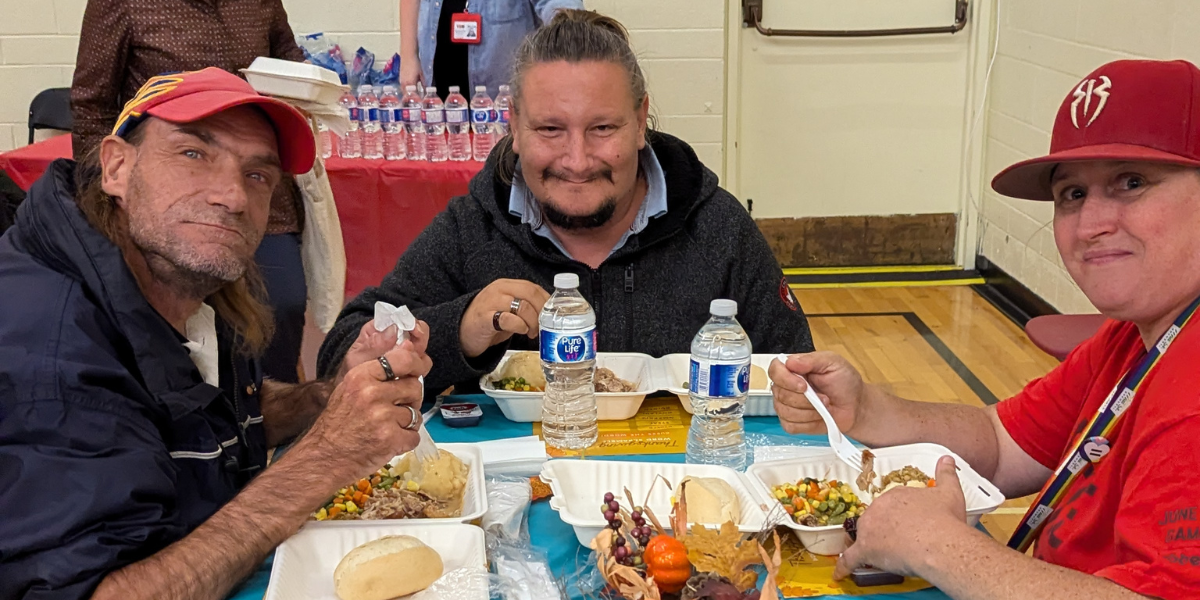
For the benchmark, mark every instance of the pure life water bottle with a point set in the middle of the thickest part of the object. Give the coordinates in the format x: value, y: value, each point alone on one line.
x: 568, y: 341
x: 719, y: 382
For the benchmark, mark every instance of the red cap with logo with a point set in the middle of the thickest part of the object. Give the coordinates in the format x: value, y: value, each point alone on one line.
x: 1127, y: 110
x: 194, y: 95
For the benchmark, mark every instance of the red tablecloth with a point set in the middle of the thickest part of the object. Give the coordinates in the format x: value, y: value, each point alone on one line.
x: 383, y: 205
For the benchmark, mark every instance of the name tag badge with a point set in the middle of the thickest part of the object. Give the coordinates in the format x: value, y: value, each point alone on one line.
x: 466, y: 28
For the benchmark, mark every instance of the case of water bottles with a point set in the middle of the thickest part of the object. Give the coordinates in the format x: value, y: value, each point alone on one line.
x: 648, y: 373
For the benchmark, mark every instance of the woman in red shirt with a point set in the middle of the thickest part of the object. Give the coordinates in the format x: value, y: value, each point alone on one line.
x: 1109, y: 436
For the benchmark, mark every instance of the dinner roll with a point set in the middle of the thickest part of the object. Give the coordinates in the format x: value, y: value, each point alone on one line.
x: 711, y: 501
x: 389, y: 567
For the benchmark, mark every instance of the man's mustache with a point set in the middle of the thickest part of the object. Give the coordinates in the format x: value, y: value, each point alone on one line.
x: 605, y: 173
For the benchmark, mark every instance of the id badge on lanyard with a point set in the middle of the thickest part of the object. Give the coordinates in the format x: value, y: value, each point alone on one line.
x: 1093, y: 443
x: 466, y: 27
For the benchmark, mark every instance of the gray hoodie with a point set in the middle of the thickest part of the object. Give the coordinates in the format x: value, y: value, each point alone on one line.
x: 650, y: 296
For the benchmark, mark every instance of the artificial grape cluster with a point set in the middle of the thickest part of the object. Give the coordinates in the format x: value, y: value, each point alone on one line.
x: 626, y: 553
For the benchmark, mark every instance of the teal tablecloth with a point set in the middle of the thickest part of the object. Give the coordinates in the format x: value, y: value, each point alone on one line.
x: 548, y: 532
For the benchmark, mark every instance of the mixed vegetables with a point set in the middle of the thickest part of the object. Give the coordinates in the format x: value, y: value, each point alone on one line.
x: 815, y: 503
x: 516, y: 384
x: 349, y: 501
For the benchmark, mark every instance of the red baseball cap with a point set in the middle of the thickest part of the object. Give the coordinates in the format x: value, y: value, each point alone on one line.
x: 1127, y: 110
x: 194, y: 95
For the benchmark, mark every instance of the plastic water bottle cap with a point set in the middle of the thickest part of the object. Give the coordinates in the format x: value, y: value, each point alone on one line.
x: 480, y: 88
x: 431, y: 89
x: 410, y: 88
x: 504, y: 88
x: 454, y: 89
x: 719, y: 307
x: 566, y: 281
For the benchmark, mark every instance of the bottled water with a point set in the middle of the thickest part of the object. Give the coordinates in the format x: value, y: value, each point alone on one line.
x: 458, y: 124
x: 372, y: 132
x: 325, y: 137
x: 568, y: 340
x: 414, y: 129
x: 350, y: 145
x: 719, y: 382
x: 435, y: 125
x: 393, y: 124
x: 481, y: 126
x: 502, y: 106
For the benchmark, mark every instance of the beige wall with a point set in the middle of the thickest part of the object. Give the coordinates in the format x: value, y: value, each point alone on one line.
x: 681, y: 43
x: 1046, y: 47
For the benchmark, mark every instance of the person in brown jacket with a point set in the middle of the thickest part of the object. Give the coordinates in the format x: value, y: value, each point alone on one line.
x: 125, y: 42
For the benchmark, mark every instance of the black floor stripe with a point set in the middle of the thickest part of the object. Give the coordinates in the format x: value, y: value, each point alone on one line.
x: 951, y: 359
x: 881, y: 277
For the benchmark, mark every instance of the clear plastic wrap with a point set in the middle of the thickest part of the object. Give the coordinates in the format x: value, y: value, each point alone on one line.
x: 520, y: 571
x: 473, y: 583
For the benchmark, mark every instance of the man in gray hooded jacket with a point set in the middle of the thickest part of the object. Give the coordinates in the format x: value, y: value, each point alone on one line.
x: 582, y: 186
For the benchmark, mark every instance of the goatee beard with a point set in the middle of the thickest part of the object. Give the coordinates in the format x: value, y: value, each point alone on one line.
x: 599, y: 218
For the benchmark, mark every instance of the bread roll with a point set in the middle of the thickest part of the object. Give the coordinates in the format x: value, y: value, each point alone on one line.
x: 758, y: 378
x: 710, y: 501
x: 389, y: 567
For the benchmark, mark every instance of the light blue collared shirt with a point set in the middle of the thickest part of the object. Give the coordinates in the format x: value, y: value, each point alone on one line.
x: 521, y: 203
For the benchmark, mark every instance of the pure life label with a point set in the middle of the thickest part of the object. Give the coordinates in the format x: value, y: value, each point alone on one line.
x: 571, y: 347
x: 720, y: 379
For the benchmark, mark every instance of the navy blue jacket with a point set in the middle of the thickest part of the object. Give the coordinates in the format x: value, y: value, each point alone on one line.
x: 111, y: 445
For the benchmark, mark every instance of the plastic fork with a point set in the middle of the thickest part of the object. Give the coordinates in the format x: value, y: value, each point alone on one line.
x: 840, y: 444
x: 426, y: 450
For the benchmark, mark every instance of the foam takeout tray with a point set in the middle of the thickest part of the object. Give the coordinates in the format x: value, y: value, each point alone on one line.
x: 649, y: 373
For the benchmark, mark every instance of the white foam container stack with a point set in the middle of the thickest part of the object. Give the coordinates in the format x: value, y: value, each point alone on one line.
x: 295, y: 80
x: 981, y: 496
x: 649, y: 373
x: 579, y: 487
x: 474, y: 496
x: 677, y: 367
x: 304, y: 564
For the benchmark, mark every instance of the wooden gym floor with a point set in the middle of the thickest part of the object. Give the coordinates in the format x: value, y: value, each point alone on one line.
x: 937, y: 344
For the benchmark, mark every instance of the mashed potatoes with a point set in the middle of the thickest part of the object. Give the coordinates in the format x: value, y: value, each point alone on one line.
x: 443, y: 479
x: 527, y: 366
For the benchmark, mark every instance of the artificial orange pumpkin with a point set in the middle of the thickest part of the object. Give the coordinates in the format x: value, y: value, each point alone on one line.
x: 667, y: 562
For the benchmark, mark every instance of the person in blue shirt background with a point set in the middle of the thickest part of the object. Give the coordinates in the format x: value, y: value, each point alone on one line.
x: 428, y: 55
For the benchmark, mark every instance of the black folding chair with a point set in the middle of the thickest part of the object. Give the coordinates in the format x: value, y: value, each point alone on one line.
x: 50, y: 109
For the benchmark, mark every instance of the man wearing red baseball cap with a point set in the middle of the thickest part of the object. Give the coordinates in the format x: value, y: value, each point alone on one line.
x: 134, y: 418
x: 1107, y: 440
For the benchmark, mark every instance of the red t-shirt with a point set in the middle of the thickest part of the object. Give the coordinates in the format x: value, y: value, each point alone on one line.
x: 1134, y: 517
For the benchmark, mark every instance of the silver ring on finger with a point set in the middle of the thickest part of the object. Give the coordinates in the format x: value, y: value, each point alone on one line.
x: 388, y: 373
x: 415, y: 421
x: 514, y: 306
x: 496, y: 321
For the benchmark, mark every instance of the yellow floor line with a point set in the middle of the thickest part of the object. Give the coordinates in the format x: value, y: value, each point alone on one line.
x: 861, y: 270
x: 885, y: 284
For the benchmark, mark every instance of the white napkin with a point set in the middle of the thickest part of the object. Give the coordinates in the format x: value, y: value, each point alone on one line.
x: 529, y: 447
x: 387, y: 315
x: 202, y: 344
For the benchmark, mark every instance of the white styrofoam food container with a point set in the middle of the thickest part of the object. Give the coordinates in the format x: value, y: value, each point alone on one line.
x: 474, y: 496
x: 650, y: 374
x: 982, y: 497
x: 304, y: 564
x: 289, y: 79
x: 579, y: 487
x: 676, y: 370
x: 526, y: 407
